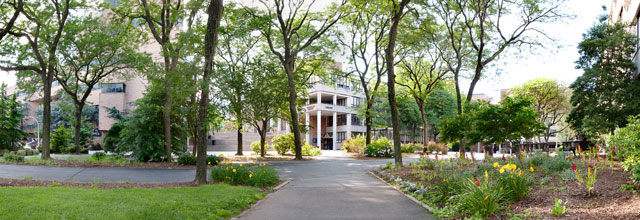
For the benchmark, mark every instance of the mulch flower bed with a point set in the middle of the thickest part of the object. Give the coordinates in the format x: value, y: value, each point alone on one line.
x: 609, y: 201
x: 39, y: 183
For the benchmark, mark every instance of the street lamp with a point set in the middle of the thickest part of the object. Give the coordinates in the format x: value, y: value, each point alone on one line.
x: 37, y: 129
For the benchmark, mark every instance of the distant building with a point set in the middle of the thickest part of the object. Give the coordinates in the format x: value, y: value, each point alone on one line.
x: 504, y: 93
x: 481, y: 96
x: 627, y: 12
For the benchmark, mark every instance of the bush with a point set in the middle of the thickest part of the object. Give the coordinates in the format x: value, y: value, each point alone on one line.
x: 567, y: 175
x: 555, y: 164
x: 379, y: 148
x: 354, y: 144
x: 411, y: 147
x: 480, y: 198
x: 516, y: 184
x: 98, y: 155
x: 212, y: 160
x: 61, y: 141
x: 627, y: 142
x: 258, y: 176
x: 283, y: 143
x: 255, y: 147
x: 635, y: 174
x: 538, y: 159
x: 13, y: 157
x: 438, y: 147
x: 187, y: 159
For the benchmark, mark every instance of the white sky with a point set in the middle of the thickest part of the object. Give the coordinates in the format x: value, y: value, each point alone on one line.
x: 552, y: 62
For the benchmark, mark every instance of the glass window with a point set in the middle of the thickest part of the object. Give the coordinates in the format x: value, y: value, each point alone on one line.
x: 113, y: 87
x: 342, y: 120
x: 341, y: 136
x: 355, y: 121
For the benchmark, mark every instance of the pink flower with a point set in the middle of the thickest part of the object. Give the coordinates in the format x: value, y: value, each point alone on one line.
x: 436, y: 156
x: 503, y: 159
x: 604, y: 157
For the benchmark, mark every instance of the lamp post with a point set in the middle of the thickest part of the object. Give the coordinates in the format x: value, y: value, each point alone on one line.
x: 37, y: 129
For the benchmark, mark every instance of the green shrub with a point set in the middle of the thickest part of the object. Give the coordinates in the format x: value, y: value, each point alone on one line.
x: 438, y: 147
x: 567, y: 175
x: 238, y: 174
x: 635, y: 174
x: 187, y: 159
x: 379, y: 148
x: 98, y: 155
x: 630, y: 162
x: 13, y: 157
x: 480, y: 198
x: 255, y: 147
x: 61, y: 140
x: 354, y: 144
x: 516, y: 184
x: 538, y: 159
x: 308, y: 150
x: 555, y: 164
x: 283, y: 143
x: 212, y: 160
x: 626, y: 140
x: 411, y: 147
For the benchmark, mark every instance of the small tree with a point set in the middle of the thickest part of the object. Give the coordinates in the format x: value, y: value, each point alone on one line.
x: 10, y: 119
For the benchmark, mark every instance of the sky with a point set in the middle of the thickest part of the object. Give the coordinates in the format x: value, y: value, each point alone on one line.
x: 555, y: 60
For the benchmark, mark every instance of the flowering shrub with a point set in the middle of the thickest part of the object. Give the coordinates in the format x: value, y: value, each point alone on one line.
x: 411, y: 147
x: 514, y: 181
x: 438, y: 147
x: 481, y: 197
x: 239, y: 174
x: 354, y: 145
x: 379, y: 148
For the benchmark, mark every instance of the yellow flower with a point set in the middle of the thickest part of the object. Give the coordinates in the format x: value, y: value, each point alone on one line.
x: 496, y: 164
x: 531, y: 169
x: 520, y: 174
x: 234, y: 170
x: 500, y: 188
x: 486, y: 197
x: 250, y: 175
x: 501, y: 170
x: 240, y: 165
x: 209, y: 163
x: 485, y: 174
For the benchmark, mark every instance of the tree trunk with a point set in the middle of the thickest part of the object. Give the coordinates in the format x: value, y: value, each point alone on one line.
x: 396, y: 16
x: 211, y: 37
x: 295, y: 127
x: 46, y: 119
x: 458, y: 97
x: 263, y: 137
x: 425, y: 125
x: 195, y: 142
x: 474, y: 81
x: 166, y: 120
x: 78, y: 126
x: 239, y: 151
x: 368, y: 122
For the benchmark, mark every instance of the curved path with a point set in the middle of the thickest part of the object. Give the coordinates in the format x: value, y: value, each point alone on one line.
x: 332, y: 187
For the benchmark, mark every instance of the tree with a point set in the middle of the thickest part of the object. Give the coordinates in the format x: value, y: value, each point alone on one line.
x: 6, y: 21
x: 161, y: 20
x: 364, y: 42
x: 421, y: 75
x: 33, y: 48
x: 214, y: 11
x: 396, y: 10
x: 296, y: 30
x: 605, y: 95
x: 10, y: 119
x: 550, y: 99
x: 91, y: 50
x: 236, y: 49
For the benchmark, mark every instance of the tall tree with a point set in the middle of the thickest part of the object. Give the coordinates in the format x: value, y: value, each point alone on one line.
x: 237, y: 46
x: 162, y: 18
x: 363, y: 40
x: 32, y: 50
x: 550, y: 99
x: 606, y: 94
x: 396, y: 10
x: 7, y: 17
x: 214, y: 11
x: 90, y: 51
x: 296, y: 29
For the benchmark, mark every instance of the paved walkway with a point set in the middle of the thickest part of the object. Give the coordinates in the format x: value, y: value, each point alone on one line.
x: 334, y: 186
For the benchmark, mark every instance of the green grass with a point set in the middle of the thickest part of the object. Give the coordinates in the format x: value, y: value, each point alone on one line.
x: 202, y: 202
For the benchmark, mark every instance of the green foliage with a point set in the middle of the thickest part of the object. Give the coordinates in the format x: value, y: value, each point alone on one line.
x: 411, y: 147
x: 605, y: 95
x: 635, y: 174
x: 516, y: 184
x: 136, y: 203
x: 213, y: 160
x: 283, y: 143
x: 538, y: 159
x: 112, y: 138
x: 511, y: 120
x: 187, y: 159
x: 482, y: 198
x: 13, y: 157
x: 626, y: 142
x: 555, y: 164
x: 61, y: 141
x: 99, y: 155
x: 308, y: 150
x: 354, y: 144
x: 258, y: 176
x: 438, y: 147
x: 567, y: 175
x: 379, y: 148
x: 559, y: 207
x: 255, y: 147
x: 10, y: 120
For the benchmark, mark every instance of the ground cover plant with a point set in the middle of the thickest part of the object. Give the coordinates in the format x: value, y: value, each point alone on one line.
x: 258, y: 175
x: 520, y: 187
x: 219, y: 201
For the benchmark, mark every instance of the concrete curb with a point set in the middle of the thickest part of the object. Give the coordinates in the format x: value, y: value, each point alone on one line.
x: 265, y: 198
x: 428, y: 208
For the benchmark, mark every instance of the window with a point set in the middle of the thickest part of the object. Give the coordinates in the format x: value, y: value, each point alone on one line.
x: 342, y: 102
x: 341, y: 136
x: 113, y: 87
x: 342, y: 120
x: 355, y: 134
x: 357, y: 101
x: 355, y: 121
x: 329, y: 121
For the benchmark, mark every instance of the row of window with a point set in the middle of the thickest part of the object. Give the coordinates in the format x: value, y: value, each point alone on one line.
x: 342, y: 120
x: 341, y: 136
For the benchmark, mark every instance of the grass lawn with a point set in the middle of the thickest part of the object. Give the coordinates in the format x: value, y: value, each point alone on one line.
x: 203, y: 202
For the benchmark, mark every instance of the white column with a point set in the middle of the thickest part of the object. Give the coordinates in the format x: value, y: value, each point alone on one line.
x: 306, y: 121
x: 319, y: 129
x: 348, y: 125
x: 335, y: 100
x: 279, y: 129
x: 335, y: 128
x: 319, y: 97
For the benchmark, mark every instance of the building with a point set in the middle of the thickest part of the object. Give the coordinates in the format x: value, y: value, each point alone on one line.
x: 481, y: 96
x: 628, y: 12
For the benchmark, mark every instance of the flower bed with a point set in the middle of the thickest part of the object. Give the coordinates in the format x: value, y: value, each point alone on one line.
x: 523, y: 188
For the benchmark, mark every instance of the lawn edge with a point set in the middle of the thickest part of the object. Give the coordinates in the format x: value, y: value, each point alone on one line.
x: 278, y: 187
x: 428, y: 208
